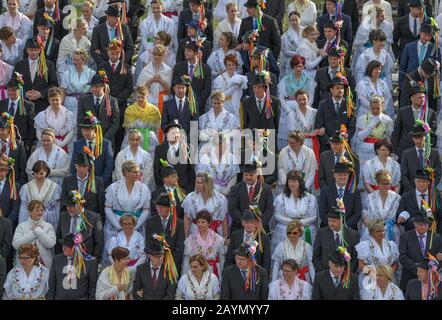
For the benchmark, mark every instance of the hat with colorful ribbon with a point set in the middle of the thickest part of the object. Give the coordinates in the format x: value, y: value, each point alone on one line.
x: 8, y: 163
x: 91, y: 186
x: 7, y: 121
x: 190, y: 94
x: 170, y: 270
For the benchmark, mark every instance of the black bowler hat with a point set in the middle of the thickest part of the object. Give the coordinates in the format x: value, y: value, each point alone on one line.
x: 112, y: 11
x: 334, y: 213
x: 337, y: 258
x: 423, y: 264
x: 4, y: 124
x: 251, y: 3
x: 427, y: 28
x: 163, y: 200
x: 32, y: 44
x: 42, y: 22
x: 417, y: 131
x: 83, y: 159
x: 13, y: 83
x: 182, y: 80
x: 415, y: 3
x: 421, y: 216
x: 248, y: 215
x: 429, y: 66
x: 336, y: 137
x: 242, y: 251
x: 422, y: 174
x: 172, y: 125
x: 96, y: 79
x: 154, y: 248
x: 249, y: 167
x: 167, y: 171
x: 330, y: 24
x: 196, y: 1
x: 68, y: 240
x: 333, y: 52
x: 193, y: 23
x: 336, y: 81
x: 416, y: 88
x: 341, y: 168
x: 86, y: 123
x: 191, y: 45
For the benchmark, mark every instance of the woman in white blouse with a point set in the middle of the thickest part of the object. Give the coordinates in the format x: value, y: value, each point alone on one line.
x: 308, y: 49
x: 231, y: 22
x: 135, y: 153
x: 306, y: 10
x: 198, y: 283
x: 5, y: 75
x: 289, y: 286
x: 12, y: 47
x: 293, y: 247
x: 59, y: 118
x: 30, y: 279
x: 376, y: 250
x: 383, y: 288
x: 226, y: 45
x: 55, y: 157
x: 36, y: 231
x: 88, y: 18
x: 289, y: 43
x: 19, y: 22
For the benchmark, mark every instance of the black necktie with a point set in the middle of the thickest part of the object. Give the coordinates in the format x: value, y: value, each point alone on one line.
x: 97, y: 106
x: 180, y: 106
x: 415, y: 27
x: 11, y: 109
x: 337, y: 240
x: 154, y: 277
x: 90, y: 145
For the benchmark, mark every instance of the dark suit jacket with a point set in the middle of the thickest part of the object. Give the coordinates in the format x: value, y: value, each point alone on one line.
x: 186, y: 172
x: 24, y: 123
x: 402, y: 35
x: 57, y: 30
x: 265, y: 158
x: 251, y: 78
x: 86, y: 285
x: 403, y: 8
x: 109, y: 124
x: 352, y: 202
x: 121, y: 85
x: 40, y: 84
x: 10, y: 208
x: 19, y: 155
x: 325, y: 244
x: 3, y: 274
x: 269, y: 37
x: 346, y: 30
x: 94, y: 201
x: 51, y: 52
x: 103, y: 164
x: 61, y: 4
x: 201, y: 87
x: 100, y: 41
x: 403, y: 124
x: 176, y: 242
x: 164, y: 290
x: 410, y: 163
x: 404, y: 101
x: 322, y: 43
x: 233, y: 285
x: 184, y: 18
x: 207, y: 50
x: 262, y: 258
x: 328, y: 162
x: 5, y: 237
x: 93, y: 237
x: 410, y: 58
x: 410, y: 254
x: 239, y: 202
x: 350, y: 8
x: 156, y: 194
x: 323, y: 79
x: 409, y: 203
x: 324, y: 288
x: 253, y: 119
x: 414, y: 290
x: 276, y: 9
x: 328, y: 118
x: 171, y: 113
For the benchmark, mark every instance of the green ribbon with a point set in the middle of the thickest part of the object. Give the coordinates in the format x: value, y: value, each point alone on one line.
x: 146, y: 138
x: 308, y: 235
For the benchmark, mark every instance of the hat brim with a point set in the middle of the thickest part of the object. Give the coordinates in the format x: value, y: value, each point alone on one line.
x: 332, y: 84
x: 416, y: 134
x: 85, y: 126
x: 240, y: 253
x: 154, y: 252
x: 341, y: 171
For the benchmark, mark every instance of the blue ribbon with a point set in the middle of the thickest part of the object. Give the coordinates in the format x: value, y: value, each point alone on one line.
x: 134, y: 213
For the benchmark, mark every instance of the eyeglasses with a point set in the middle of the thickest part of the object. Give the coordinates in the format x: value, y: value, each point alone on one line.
x: 24, y: 258
x: 292, y: 233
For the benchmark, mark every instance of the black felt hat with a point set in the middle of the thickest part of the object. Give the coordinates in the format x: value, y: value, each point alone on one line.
x: 43, y: 22
x: 336, y: 81
x: 416, y: 88
x: 429, y: 66
x: 32, y: 44
x: 163, y: 200
x: 83, y: 159
x: 242, y: 251
x: 68, y: 240
x: 251, y: 3
x: 154, y: 248
x: 415, y: 3
x: 422, y: 174
x: 337, y: 258
x: 341, y: 168
x: 248, y: 215
x: 112, y: 11
x: 417, y: 131
x: 334, y: 213
x: 421, y: 216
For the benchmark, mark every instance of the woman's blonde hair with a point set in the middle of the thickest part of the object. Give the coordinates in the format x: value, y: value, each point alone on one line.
x: 48, y: 132
x: 159, y: 49
x: 128, y: 217
x: 383, y: 176
x: 201, y: 260
x: 297, y: 135
x: 89, y: 4
x: 134, y: 133
x: 80, y: 23
x: 142, y: 90
x: 295, y: 224
x: 375, y: 225
x: 385, y: 270
x: 308, y: 30
x: 218, y: 95
x: 229, y: 5
x: 82, y: 53
x: 55, y: 91
x: 207, y: 181
x: 376, y: 99
x: 128, y: 166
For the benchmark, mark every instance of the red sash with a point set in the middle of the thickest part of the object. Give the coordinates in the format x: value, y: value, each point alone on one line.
x: 212, y: 263
x: 170, y: 14
x: 371, y: 140
x: 61, y: 138
x: 302, y: 272
x: 315, y: 142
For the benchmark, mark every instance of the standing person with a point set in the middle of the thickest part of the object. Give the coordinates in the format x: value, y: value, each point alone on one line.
x: 48, y: 42
x: 193, y: 35
x: 89, y: 20
x: 308, y: 49
x: 226, y: 45
x: 244, y: 280
x: 67, y: 281
x: 276, y: 9
x: 54, y: 11
x: 12, y: 48
x: 333, y: 284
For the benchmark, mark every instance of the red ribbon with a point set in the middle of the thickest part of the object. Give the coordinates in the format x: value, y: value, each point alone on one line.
x: 170, y: 14
x: 371, y: 140
x: 315, y: 142
x: 212, y: 263
x: 302, y: 272
x: 61, y: 138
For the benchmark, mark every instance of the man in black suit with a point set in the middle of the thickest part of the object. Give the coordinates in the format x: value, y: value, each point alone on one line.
x: 245, y: 193
x: 425, y: 74
x: 329, y: 284
x: 93, y: 201
x: 192, y: 29
x: 36, y: 85
x: 406, y: 118
x: 247, y: 235
x: 257, y: 55
x: 150, y: 283
x: 6, y: 236
x: 340, y: 189
x: 49, y: 9
x: 173, y: 150
x: 191, y: 13
x: 329, y: 238
x: 415, y: 286
x: 51, y: 44
x: 70, y: 222
x: 17, y: 152
x: 269, y: 36
x: 201, y: 83
x: 332, y: 114
x: 162, y: 224
x: 235, y: 283
x: 134, y: 11
x: 415, y: 158
x: 104, y: 33
x: 404, y: 7
x: 415, y: 244
x: 329, y: 42
x: 63, y: 281
x: 169, y: 184
x: 276, y: 9
x: 329, y: 158
x: 96, y: 103
x: 178, y: 108
x: 325, y: 75
x: 256, y: 112
x: 406, y: 31
x: 9, y: 207
x: 3, y: 274
x: 411, y: 201
x: 120, y: 84
x: 350, y: 8
x: 24, y: 121
x: 345, y: 23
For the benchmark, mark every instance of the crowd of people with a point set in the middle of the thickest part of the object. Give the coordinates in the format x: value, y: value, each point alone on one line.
x: 311, y: 180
